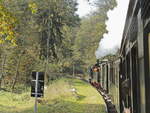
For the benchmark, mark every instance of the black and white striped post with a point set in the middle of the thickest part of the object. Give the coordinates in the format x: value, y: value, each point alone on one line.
x: 36, y: 91
x: 37, y: 87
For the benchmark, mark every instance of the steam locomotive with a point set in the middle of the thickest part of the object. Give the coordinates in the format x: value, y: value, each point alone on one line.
x: 127, y: 78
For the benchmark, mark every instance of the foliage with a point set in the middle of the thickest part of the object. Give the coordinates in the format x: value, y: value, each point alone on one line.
x: 39, y: 30
x: 88, y: 37
x: 33, y: 7
x: 7, y: 26
x: 62, y: 13
x: 90, y: 33
x: 48, y: 36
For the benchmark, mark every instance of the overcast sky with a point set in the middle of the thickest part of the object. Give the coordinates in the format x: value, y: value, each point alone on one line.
x: 84, y: 8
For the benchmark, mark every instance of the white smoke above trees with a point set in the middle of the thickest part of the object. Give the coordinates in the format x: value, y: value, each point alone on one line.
x: 115, y: 25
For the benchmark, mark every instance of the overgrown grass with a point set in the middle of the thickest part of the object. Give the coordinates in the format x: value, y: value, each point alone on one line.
x: 59, y: 98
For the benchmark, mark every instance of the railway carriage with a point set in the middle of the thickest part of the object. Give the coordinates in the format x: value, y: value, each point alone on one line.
x: 114, y: 84
x: 104, y: 74
x: 127, y: 79
x: 134, y: 52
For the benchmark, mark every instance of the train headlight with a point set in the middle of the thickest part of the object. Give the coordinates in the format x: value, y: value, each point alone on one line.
x: 96, y: 69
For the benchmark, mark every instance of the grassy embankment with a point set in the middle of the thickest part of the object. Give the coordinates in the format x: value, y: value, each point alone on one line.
x: 58, y: 99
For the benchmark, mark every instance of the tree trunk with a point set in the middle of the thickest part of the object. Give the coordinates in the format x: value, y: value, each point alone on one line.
x: 2, y: 70
x: 16, y: 74
x: 47, y: 57
x: 46, y: 73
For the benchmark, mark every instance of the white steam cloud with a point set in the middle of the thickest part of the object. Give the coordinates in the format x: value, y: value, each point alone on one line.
x: 115, y: 25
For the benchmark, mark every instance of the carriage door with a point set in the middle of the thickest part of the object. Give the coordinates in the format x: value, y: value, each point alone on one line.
x: 135, y: 79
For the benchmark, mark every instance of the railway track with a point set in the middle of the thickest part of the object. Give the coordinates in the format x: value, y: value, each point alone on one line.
x: 110, y: 106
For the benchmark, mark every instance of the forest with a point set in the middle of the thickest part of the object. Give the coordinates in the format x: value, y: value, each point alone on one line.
x: 47, y: 36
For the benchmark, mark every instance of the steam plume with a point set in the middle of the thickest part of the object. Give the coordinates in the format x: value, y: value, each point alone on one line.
x: 111, y: 41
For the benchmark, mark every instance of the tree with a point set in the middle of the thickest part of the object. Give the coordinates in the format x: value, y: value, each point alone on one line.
x: 91, y: 32
x: 40, y: 36
x: 7, y: 26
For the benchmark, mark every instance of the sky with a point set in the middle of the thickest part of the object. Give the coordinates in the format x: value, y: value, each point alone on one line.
x: 115, y: 26
x: 84, y: 8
